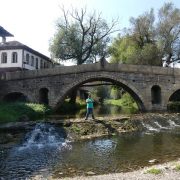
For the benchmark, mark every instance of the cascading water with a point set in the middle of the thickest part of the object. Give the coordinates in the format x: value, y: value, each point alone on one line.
x: 45, y: 135
x: 159, y: 125
x: 38, y: 154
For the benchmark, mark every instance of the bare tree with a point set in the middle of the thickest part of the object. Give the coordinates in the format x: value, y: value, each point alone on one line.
x: 81, y: 37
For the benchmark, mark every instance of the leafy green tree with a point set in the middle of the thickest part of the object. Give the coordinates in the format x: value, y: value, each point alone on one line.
x: 138, y: 46
x: 168, y: 28
x: 126, y: 50
x: 81, y: 37
x: 122, y: 49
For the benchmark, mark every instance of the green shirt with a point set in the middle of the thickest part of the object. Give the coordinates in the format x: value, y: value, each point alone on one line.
x: 89, y: 102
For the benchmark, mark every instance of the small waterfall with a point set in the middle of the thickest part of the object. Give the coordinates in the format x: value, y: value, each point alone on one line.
x: 159, y: 125
x: 172, y: 123
x: 45, y: 135
x: 42, y: 149
x: 149, y: 127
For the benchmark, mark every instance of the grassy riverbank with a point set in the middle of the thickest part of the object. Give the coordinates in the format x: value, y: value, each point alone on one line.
x: 127, y: 104
x: 12, y: 112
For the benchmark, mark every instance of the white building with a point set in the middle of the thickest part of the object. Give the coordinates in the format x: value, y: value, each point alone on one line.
x: 17, y: 56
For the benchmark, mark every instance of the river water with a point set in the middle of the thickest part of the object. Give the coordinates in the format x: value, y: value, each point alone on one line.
x: 46, y: 151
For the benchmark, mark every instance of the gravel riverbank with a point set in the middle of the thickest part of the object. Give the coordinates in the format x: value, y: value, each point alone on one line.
x: 167, y: 171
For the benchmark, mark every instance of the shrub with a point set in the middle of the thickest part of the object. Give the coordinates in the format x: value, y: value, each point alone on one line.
x: 173, y: 106
x: 154, y: 171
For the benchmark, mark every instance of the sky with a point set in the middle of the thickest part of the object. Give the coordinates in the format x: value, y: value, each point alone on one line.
x: 33, y: 22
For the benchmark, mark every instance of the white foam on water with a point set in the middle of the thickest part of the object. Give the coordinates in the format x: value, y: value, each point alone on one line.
x: 44, y: 135
x: 159, y: 125
x: 150, y: 128
x: 172, y: 123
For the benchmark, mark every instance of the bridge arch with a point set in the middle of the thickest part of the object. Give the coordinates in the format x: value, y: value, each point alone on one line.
x: 175, y: 96
x: 15, y: 97
x: 101, y: 77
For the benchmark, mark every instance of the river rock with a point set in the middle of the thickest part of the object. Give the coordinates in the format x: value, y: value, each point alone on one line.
x: 153, y: 161
x: 90, y: 173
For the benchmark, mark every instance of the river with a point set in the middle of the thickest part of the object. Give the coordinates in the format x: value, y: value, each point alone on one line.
x: 46, y: 151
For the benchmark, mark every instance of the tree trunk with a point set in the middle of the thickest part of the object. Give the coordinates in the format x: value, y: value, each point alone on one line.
x: 169, y: 58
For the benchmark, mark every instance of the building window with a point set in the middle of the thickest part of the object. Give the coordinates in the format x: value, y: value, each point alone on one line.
x: 4, y: 57
x: 41, y: 65
x: 14, y: 57
x: 27, y: 58
x: 32, y: 60
x: 36, y: 63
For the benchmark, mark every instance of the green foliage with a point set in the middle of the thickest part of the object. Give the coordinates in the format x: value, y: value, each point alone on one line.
x: 10, y: 112
x: 68, y: 107
x: 127, y: 103
x: 138, y: 45
x: 147, y: 43
x: 177, y: 168
x: 125, y: 50
x: 150, y: 55
x: 75, y: 128
x: 101, y: 92
x: 122, y: 49
x: 154, y: 171
x: 174, y: 106
x: 115, y: 93
x: 142, y: 28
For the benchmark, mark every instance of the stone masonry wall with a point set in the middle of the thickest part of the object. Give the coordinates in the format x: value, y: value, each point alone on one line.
x: 137, y: 80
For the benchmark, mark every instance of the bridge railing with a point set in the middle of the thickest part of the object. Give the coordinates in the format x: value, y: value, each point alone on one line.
x: 91, y: 68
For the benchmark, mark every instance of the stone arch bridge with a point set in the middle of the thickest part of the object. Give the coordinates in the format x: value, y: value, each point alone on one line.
x: 151, y: 87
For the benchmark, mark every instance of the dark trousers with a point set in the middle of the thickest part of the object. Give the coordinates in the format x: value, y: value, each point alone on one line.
x: 89, y: 111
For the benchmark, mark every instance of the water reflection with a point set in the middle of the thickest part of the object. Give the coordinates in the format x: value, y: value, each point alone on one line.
x: 106, y: 155
x: 104, y: 110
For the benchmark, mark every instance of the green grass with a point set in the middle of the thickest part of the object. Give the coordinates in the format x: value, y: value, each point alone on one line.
x: 76, y: 129
x: 126, y: 103
x: 177, y: 168
x: 154, y: 171
x: 12, y: 112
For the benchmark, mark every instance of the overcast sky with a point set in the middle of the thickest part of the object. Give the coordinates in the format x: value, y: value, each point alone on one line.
x: 32, y: 22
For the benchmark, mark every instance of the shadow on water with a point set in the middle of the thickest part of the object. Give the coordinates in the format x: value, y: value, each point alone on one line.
x: 38, y: 154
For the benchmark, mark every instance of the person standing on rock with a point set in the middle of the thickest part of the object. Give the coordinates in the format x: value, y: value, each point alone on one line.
x: 89, y: 102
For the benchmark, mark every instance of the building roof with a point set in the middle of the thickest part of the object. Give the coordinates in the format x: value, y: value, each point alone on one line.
x: 4, y: 33
x: 17, y: 45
